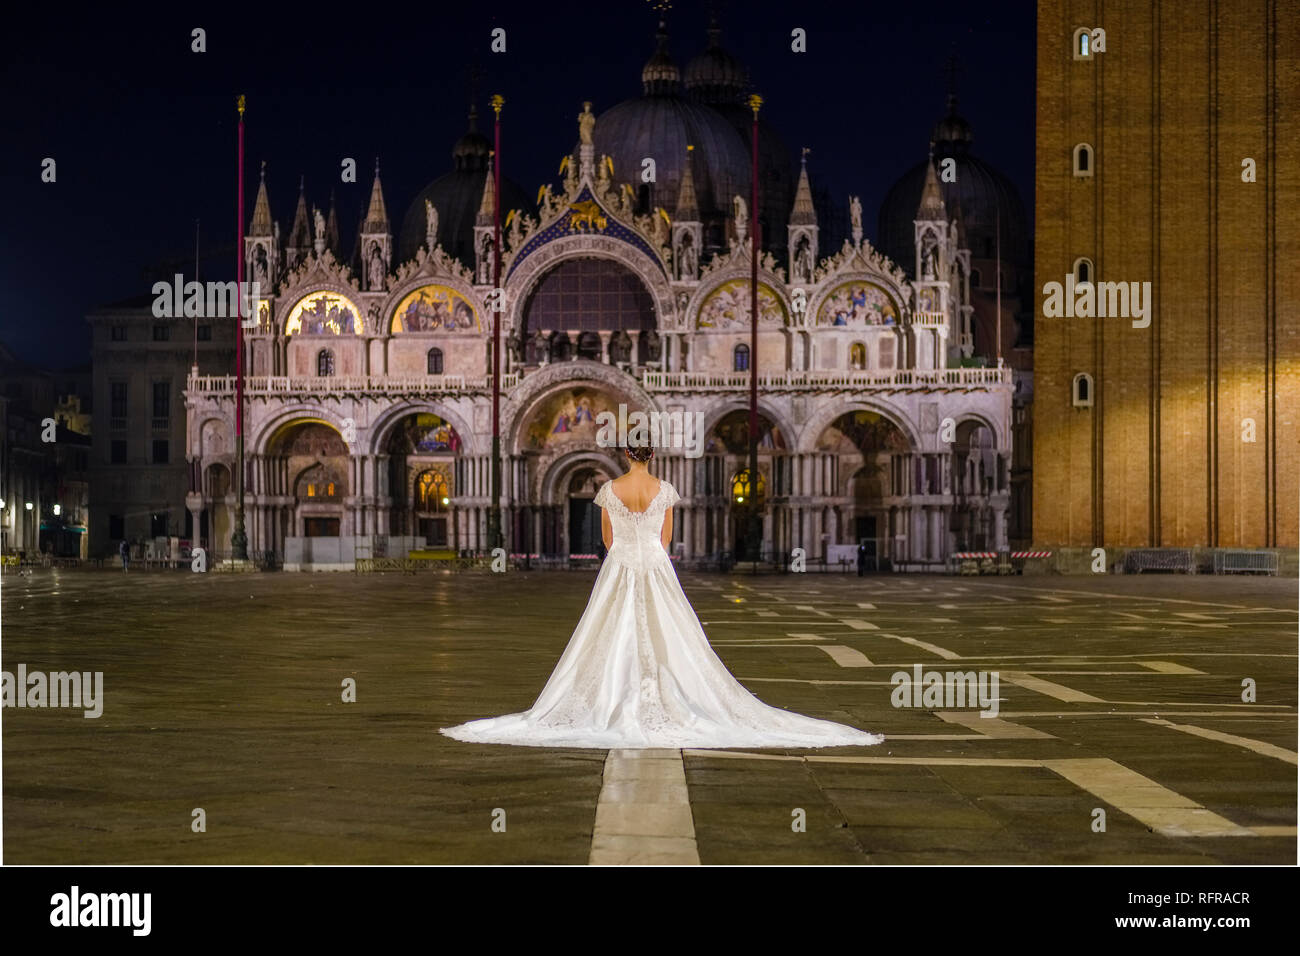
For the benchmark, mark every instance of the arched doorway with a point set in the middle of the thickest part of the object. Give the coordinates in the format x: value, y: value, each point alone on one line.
x: 872, y: 451
x: 743, y: 500
x: 314, y: 459
x: 583, y: 513
x: 975, y: 477
x: 423, y: 451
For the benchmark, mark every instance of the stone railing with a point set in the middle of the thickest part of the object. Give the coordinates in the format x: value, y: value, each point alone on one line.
x: 224, y: 385
x: 828, y: 379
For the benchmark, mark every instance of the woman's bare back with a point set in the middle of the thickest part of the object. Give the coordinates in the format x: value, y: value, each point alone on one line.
x: 636, y: 489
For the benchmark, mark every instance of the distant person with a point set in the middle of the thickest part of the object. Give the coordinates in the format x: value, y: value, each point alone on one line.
x: 124, y: 551
x: 862, y: 558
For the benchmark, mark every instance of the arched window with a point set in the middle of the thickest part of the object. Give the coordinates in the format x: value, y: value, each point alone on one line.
x: 324, y: 362
x: 435, y: 361
x: 431, y: 492
x: 740, y: 358
x: 743, y: 493
x: 1083, y: 44
x: 1083, y: 160
x: 1082, y: 397
x: 1082, y: 271
x: 857, y: 355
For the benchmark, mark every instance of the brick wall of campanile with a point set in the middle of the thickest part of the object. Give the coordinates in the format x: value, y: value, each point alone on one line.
x: 1184, y: 92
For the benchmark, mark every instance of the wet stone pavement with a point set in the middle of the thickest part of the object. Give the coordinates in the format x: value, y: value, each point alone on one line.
x: 1122, y: 735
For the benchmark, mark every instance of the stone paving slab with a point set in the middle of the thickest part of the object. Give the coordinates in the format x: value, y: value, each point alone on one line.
x: 224, y: 692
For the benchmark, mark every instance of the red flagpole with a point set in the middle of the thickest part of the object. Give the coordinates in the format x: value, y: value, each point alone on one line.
x: 755, y: 528
x: 495, y: 537
x: 239, y: 540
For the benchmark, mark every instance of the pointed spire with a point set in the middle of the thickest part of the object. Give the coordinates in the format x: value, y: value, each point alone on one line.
x: 688, y: 208
x: 300, y: 233
x: 803, y: 213
x: 487, y: 208
x: 377, y: 215
x: 261, y: 224
x: 332, y: 228
x: 931, y: 197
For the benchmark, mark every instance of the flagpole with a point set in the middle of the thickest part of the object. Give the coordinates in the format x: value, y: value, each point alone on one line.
x: 495, y: 537
x: 998, y: 229
x: 754, y: 531
x: 239, y: 540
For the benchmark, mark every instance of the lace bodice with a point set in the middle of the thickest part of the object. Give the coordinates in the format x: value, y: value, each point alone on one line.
x: 636, y: 534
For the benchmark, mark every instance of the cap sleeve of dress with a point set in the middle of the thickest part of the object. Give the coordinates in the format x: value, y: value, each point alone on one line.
x: 671, y: 497
x: 602, y: 496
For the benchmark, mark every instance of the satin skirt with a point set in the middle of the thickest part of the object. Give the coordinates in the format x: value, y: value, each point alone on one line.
x: 639, y: 673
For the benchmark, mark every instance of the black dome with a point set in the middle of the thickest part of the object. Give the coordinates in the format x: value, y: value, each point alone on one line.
x: 457, y: 196
x: 980, y: 191
x: 715, y: 76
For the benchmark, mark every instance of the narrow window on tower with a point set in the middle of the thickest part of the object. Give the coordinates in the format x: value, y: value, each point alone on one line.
x: 1082, y: 390
x: 741, y: 358
x: 435, y: 361
x: 324, y: 363
x: 1083, y: 44
x: 1082, y: 271
x: 1083, y: 160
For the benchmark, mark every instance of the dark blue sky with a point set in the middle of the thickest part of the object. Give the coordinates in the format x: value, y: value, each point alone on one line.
x: 143, y: 130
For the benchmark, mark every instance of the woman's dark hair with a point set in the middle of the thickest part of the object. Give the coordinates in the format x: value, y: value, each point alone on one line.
x: 641, y: 453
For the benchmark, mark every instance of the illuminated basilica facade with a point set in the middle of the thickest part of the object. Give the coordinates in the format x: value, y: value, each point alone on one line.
x: 369, y: 390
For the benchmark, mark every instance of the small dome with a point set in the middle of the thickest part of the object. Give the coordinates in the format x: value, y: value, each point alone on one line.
x: 473, y: 149
x: 952, y: 135
x: 659, y: 75
x: 715, y: 76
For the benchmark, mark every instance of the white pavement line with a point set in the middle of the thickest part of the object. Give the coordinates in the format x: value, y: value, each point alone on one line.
x: 805, y: 635
x: 1274, y: 831
x: 809, y: 607
x: 991, y: 726
x: 913, y: 761
x: 1258, y: 746
x: 643, y: 816
x: 844, y: 656
x: 943, y: 620
x: 1021, y: 714
x: 934, y: 649
x: 858, y: 625
x: 766, y: 613
x: 869, y: 607
x: 1048, y: 688
x: 1159, y: 808
x: 1168, y: 667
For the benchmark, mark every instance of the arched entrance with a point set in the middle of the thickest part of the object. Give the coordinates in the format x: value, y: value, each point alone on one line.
x: 740, y: 499
x: 871, y: 451
x: 313, y: 458
x: 423, y: 449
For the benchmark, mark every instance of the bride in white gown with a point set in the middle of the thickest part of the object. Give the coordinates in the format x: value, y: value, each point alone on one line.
x: 638, y: 671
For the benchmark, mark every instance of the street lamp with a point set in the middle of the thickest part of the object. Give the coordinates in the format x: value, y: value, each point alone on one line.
x: 58, y: 510
x: 29, y: 506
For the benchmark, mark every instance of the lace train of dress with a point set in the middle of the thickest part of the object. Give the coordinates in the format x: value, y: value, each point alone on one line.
x: 639, y: 671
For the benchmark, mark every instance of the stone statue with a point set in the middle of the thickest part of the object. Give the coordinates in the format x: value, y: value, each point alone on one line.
x: 687, y: 253
x: 376, y: 267
x: 430, y: 224
x: 586, y: 124
x: 742, y: 213
x: 855, y: 218
x: 320, y: 223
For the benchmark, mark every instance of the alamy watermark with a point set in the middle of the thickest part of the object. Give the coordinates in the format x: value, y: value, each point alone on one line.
x: 212, y: 300
x: 1099, y: 300
x: 56, y: 689
x: 679, y: 429
x: 948, y: 690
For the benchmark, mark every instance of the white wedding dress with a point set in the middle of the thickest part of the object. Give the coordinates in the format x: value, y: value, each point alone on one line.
x: 639, y: 672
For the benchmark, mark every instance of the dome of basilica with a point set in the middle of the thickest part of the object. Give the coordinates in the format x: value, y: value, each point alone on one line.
x: 981, y: 192
x: 457, y: 196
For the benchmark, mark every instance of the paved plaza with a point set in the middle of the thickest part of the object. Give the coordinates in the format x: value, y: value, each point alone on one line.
x: 1121, y: 734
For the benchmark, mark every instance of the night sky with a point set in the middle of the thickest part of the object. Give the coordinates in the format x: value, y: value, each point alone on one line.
x: 144, y: 131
